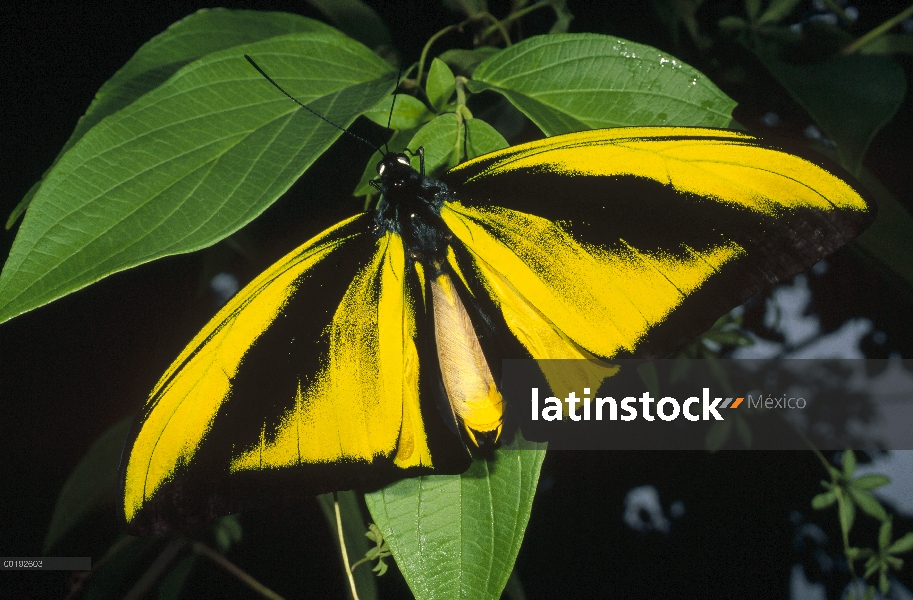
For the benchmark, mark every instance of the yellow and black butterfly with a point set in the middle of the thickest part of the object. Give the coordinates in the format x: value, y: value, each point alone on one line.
x: 373, y: 351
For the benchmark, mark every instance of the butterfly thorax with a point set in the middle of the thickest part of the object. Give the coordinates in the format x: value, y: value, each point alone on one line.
x: 410, y: 206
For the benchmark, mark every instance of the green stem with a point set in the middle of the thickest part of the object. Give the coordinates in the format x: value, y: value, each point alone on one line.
x: 839, y: 495
x: 497, y: 25
x: 155, y: 571
x: 219, y: 559
x: 429, y: 43
x: 509, y: 19
x: 878, y: 31
x: 342, y: 547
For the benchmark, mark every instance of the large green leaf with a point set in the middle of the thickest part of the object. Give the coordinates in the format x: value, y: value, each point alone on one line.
x: 91, y: 485
x: 188, y: 164
x: 572, y: 82
x: 850, y: 97
x: 202, y: 33
x: 457, y: 536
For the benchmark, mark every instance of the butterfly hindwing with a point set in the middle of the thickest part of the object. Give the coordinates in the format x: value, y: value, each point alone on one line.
x: 634, y: 240
x: 307, y: 381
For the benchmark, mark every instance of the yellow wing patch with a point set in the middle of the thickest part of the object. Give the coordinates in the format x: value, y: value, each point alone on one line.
x: 731, y: 167
x: 557, y: 294
x: 188, y: 396
x: 364, y: 403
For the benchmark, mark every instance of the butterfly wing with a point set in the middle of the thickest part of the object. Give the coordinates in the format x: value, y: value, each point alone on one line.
x: 632, y: 241
x: 307, y: 381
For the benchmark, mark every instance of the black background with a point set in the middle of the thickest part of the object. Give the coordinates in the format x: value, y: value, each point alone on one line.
x: 69, y: 370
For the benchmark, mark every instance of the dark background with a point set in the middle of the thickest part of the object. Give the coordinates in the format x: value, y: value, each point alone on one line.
x: 71, y: 369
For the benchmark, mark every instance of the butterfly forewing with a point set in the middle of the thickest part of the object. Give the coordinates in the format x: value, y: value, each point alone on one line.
x: 634, y: 240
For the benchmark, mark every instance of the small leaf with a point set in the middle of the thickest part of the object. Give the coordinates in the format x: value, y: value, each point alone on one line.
x: 883, y: 583
x: 439, y: 85
x: 847, y: 514
x: 91, y: 485
x: 849, y: 463
x: 571, y: 82
x: 482, y: 138
x: 732, y: 23
x: 440, y: 141
x: 823, y: 500
x: 408, y: 112
x: 902, y: 544
x: 650, y: 378
x: 777, y: 11
x: 464, y: 62
x: 357, y: 20
x: 868, y: 504
x: 870, y: 482
x: 457, y: 536
x: 884, y: 534
x: 188, y: 164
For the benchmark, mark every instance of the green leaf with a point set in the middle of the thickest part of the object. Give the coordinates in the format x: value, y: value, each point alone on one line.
x: 884, y: 533
x: 891, y: 43
x: 91, y: 485
x: 408, y: 112
x: 572, y: 82
x: 464, y: 62
x: 357, y: 544
x: 902, y: 544
x: 849, y: 463
x: 482, y: 138
x: 717, y: 435
x: 823, y: 500
x: 871, y: 482
x: 732, y: 23
x: 847, y: 514
x: 445, y: 145
x: 188, y: 164
x: 777, y: 11
x: 457, y: 536
x: 883, y: 584
x: 357, y: 20
x: 850, y: 97
x: 868, y: 504
x: 204, y: 32
x: 440, y: 85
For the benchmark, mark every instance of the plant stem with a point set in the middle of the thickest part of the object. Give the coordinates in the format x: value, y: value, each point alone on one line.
x: 342, y: 546
x: 219, y: 559
x: 428, y: 44
x: 155, y: 571
x: 878, y: 31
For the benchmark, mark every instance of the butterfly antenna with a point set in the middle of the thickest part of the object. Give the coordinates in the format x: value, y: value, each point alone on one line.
x: 310, y: 110
x: 392, y: 104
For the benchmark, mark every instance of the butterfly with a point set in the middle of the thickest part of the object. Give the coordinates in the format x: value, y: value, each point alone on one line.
x: 372, y: 352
